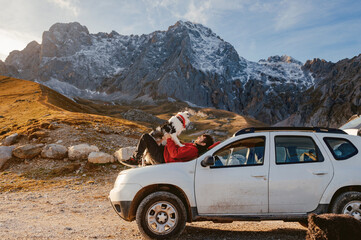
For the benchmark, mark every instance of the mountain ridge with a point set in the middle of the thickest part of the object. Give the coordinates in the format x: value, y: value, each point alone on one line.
x: 187, y: 62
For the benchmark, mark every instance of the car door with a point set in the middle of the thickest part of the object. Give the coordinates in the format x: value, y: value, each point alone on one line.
x: 238, y: 182
x: 299, y: 172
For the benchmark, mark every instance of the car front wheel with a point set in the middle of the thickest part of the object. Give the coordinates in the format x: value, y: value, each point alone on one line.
x: 348, y: 203
x: 161, y: 215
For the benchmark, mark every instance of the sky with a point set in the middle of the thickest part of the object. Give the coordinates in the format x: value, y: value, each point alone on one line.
x: 303, y: 29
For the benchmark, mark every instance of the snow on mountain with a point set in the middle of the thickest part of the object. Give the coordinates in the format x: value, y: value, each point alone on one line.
x: 280, y: 70
x: 187, y: 62
x: 209, y: 49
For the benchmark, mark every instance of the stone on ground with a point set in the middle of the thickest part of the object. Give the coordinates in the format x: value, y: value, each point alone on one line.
x: 10, y: 140
x: 5, y: 154
x: 100, y: 157
x: 28, y: 151
x: 81, y: 151
x: 54, y: 151
x: 124, y: 153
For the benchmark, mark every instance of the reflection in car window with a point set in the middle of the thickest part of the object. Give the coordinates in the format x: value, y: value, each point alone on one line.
x: 296, y: 149
x: 245, y: 152
x: 341, y: 148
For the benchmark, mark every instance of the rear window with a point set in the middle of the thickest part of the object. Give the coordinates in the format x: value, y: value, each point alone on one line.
x: 296, y: 149
x: 341, y: 148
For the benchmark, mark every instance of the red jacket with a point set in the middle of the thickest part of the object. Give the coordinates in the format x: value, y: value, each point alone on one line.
x: 175, y: 153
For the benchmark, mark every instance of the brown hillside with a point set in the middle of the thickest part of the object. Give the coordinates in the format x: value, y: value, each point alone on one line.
x: 203, y: 119
x: 25, y: 105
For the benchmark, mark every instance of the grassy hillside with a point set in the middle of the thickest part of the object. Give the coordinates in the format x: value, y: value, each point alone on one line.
x: 25, y: 105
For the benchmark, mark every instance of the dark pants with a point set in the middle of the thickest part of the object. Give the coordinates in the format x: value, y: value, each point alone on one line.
x: 146, y: 142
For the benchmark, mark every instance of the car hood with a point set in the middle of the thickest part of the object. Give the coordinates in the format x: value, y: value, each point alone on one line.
x: 168, y: 173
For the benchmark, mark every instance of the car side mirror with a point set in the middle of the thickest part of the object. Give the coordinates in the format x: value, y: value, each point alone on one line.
x: 207, y: 161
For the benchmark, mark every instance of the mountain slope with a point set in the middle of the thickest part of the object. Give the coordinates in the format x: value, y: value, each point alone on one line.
x: 335, y: 97
x: 187, y: 62
x: 25, y: 105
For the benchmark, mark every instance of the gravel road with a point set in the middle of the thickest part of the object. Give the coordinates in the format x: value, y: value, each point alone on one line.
x: 80, y: 209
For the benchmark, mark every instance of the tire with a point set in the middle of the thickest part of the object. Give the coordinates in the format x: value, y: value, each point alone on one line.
x: 348, y: 203
x: 161, y: 215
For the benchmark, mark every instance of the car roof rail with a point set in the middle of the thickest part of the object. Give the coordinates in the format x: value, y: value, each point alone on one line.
x: 309, y: 129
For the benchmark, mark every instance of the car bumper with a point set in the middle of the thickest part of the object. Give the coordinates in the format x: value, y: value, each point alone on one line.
x: 121, y: 197
x: 122, y: 208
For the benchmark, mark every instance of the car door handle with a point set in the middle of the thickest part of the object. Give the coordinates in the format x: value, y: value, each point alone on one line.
x: 259, y: 176
x: 319, y: 173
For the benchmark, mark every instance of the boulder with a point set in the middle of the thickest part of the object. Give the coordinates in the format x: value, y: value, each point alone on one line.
x: 81, y: 151
x: 10, y: 140
x: 5, y: 154
x: 124, y: 153
x: 54, y: 151
x: 100, y: 157
x: 28, y: 151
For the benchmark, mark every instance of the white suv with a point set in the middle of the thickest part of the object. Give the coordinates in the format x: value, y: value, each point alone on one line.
x: 258, y: 174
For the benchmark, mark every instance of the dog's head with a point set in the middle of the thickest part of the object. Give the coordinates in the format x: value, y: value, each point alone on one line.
x: 184, y: 118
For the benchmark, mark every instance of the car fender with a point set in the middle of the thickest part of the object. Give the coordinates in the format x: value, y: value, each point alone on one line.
x: 180, y: 174
x: 346, y: 173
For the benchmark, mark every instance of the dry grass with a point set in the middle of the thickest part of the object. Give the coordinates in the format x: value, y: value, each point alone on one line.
x: 25, y: 105
x: 14, y: 182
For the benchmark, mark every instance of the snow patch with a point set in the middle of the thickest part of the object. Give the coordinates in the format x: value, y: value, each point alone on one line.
x: 193, y: 105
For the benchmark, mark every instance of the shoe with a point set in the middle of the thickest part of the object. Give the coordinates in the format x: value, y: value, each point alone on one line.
x: 132, y: 161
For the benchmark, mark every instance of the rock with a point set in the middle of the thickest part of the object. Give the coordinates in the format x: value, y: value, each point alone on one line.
x: 28, y: 151
x: 124, y: 153
x: 5, y: 154
x: 100, y: 157
x: 81, y: 151
x: 38, y: 135
x: 54, y: 151
x: 10, y: 140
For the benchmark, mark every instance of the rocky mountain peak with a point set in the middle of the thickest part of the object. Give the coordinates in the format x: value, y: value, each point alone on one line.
x: 188, y: 62
x: 283, y: 58
x: 71, y: 28
x: 319, y: 67
x: 25, y: 61
x: 209, y: 52
x: 64, y: 39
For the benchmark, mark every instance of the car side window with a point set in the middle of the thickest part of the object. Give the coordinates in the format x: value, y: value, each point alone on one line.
x: 245, y: 152
x: 296, y: 149
x: 341, y: 148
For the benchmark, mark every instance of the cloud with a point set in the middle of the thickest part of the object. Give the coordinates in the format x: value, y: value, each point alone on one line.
x: 198, y: 12
x: 70, y: 5
x: 292, y: 13
x: 204, y: 11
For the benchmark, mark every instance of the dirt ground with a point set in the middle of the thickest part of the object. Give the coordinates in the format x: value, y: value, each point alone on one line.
x: 38, y: 205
